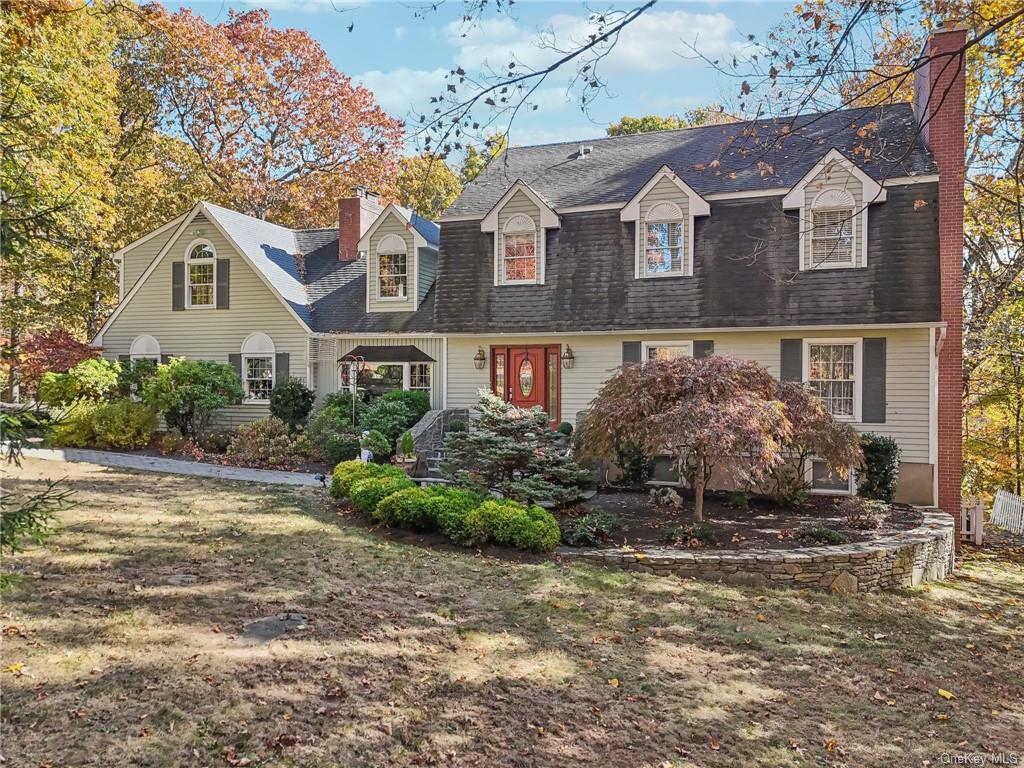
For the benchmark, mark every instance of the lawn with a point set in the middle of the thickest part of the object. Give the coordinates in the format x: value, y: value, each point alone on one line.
x: 419, y: 657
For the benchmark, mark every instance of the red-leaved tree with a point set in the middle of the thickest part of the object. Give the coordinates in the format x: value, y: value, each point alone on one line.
x: 54, y: 350
x: 279, y: 131
x: 705, y: 412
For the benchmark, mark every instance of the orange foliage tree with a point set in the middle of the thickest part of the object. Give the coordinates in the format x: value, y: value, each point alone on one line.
x: 279, y: 131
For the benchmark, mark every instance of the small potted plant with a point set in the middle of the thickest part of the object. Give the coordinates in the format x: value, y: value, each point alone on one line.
x: 405, y: 456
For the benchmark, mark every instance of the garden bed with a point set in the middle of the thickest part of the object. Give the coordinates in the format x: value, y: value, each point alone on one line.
x: 765, y: 525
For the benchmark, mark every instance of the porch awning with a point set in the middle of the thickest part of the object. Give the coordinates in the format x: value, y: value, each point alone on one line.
x: 399, y: 354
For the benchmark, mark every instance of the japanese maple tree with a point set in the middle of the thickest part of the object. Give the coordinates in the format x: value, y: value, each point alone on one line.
x: 279, y: 131
x: 703, y: 411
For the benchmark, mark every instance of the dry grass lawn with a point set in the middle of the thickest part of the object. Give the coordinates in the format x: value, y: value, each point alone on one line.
x: 419, y: 657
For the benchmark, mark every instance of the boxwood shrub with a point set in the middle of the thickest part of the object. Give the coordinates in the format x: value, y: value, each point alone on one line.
x: 510, y: 523
x: 367, y: 493
x: 408, y: 508
x: 450, y: 508
x: 348, y: 473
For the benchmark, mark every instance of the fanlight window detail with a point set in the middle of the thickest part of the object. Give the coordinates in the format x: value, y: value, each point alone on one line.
x: 519, y: 250
x: 663, y: 240
x: 392, y: 268
x: 832, y: 218
x: 526, y: 377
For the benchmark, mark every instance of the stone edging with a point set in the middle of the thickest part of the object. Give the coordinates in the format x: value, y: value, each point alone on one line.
x: 916, y: 556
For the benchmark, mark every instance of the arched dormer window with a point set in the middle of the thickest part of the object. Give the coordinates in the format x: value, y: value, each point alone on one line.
x: 392, y: 268
x: 258, y: 367
x: 145, y: 347
x: 832, y: 219
x: 200, y: 266
x: 519, y: 250
x: 663, y: 240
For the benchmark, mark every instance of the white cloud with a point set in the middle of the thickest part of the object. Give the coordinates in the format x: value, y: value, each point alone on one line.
x: 524, y: 136
x: 400, y: 32
x: 655, y: 42
x: 402, y: 88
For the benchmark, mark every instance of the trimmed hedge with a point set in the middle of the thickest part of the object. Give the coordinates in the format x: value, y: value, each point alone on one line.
x: 450, y: 509
x: 348, y: 473
x: 409, y: 508
x: 366, y: 494
x: 510, y: 523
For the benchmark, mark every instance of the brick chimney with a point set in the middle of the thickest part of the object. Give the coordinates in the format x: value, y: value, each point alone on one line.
x: 355, y: 215
x: 939, y: 106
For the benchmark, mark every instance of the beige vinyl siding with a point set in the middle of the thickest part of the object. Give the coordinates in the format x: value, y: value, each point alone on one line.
x: 430, y: 345
x: 597, y: 356
x: 662, y: 192
x: 427, y: 259
x: 392, y: 225
x: 136, y: 260
x: 519, y: 203
x: 209, y: 334
x: 834, y: 176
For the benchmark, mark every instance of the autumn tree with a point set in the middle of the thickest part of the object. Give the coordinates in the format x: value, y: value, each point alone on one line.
x: 426, y: 184
x: 713, y: 114
x: 477, y: 159
x: 702, y: 411
x: 280, y: 133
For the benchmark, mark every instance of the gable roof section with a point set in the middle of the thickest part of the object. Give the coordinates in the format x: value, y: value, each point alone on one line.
x: 425, y: 233
x: 618, y: 167
x: 548, y: 217
x: 698, y: 205
x: 873, y: 191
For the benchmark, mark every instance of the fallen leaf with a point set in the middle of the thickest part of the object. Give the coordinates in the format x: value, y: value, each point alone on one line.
x: 714, y: 743
x: 614, y: 682
x: 945, y: 694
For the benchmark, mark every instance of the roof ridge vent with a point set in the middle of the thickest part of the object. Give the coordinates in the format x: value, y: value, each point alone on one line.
x: 585, y: 149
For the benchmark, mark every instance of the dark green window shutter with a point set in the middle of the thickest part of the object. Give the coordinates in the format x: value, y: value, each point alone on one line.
x: 630, y: 352
x: 124, y: 358
x: 281, y: 360
x: 703, y: 348
x: 178, y: 286
x: 236, y: 363
x: 792, y: 360
x: 873, y: 391
x: 223, y: 283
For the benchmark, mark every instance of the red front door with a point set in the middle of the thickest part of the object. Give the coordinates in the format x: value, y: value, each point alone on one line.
x: 528, y: 377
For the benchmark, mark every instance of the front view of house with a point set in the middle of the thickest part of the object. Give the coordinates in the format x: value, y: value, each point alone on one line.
x: 828, y: 250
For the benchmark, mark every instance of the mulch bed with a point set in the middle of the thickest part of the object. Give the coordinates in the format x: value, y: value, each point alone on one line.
x: 764, y: 525
x: 223, y: 460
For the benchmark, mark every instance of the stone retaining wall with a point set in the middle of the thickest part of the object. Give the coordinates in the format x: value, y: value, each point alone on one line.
x: 919, y: 555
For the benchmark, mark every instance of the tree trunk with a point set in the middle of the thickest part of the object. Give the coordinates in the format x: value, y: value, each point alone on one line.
x: 698, y: 489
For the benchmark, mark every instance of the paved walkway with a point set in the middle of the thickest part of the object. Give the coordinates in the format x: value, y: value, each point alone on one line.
x: 172, y: 466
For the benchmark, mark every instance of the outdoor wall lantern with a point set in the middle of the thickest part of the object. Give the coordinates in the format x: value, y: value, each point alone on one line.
x: 568, y: 358
x: 479, y: 358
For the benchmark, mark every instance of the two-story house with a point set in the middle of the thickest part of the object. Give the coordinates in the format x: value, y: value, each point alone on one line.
x: 827, y: 247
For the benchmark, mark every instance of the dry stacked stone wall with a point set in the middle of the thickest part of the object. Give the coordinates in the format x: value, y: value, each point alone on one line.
x: 916, y: 556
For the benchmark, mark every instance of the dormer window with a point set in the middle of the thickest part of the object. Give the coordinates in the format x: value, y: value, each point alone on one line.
x: 832, y: 217
x: 663, y: 240
x: 519, y: 250
x: 392, y: 268
x: 200, y: 268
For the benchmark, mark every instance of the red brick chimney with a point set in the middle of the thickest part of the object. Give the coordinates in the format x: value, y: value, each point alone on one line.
x: 355, y: 215
x: 939, y: 105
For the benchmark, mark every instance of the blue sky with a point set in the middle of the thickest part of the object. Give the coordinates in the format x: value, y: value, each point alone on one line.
x: 402, y: 57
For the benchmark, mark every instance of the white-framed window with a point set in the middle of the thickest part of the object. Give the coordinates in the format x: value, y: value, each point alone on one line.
x: 832, y: 370
x: 200, y: 275
x: 666, y: 350
x: 144, y: 347
x: 378, y: 378
x: 518, y: 250
x: 821, y: 478
x: 419, y: 376
x: 258, y: 367
x: 663, y: 244
x: 392, y: 269
x: 832, y: 225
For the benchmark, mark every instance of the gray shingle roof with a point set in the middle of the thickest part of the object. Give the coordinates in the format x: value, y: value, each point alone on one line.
x: 302, y: 265
x: 618, y: 167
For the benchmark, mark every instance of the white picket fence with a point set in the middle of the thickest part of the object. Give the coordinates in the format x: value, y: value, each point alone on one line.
x: 1008, y: 512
